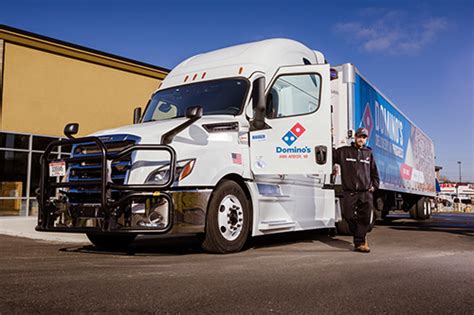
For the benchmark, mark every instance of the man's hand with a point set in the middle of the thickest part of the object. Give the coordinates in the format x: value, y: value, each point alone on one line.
x: 371, y: 189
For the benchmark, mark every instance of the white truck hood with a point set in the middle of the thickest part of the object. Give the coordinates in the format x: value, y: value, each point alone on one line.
x: 211, y: 150
x: 151, y: 132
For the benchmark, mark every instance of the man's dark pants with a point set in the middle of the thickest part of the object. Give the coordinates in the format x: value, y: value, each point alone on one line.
x: 356, y: 208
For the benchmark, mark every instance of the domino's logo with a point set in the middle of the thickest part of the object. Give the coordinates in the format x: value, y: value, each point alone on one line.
x: 293, y: 153
x: 293, y: 134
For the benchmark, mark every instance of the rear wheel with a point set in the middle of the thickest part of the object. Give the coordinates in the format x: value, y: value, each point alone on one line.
x: 372, y: 220
x: 426, y: 214
x: 228, y: 219
x: 342, y: 227
x: 111, y: 241
x: 421, y: 210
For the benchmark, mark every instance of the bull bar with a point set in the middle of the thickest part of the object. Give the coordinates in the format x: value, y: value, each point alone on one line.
x: 48, y: 211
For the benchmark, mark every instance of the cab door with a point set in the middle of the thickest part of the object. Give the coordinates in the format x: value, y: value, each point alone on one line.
x: 297, y: 139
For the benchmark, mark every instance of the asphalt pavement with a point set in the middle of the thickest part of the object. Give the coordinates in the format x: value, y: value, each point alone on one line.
x: 413, y: 268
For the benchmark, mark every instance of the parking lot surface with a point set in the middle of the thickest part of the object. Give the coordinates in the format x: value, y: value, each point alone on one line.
x: 414, y: 267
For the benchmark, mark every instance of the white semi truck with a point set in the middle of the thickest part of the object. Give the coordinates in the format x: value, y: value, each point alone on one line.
x: 235, y: 143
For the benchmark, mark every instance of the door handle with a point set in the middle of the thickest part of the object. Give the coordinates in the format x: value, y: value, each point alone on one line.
x: 321, y: 154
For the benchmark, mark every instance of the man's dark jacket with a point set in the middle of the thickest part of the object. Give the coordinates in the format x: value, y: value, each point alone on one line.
x: 358, y: 170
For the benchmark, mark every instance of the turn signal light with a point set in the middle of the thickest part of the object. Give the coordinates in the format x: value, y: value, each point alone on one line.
x: 187, y: 169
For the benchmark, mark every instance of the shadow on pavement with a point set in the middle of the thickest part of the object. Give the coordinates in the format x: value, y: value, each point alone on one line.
x: 455, y: 224
x: 191, y: 245
x: 270, y: 241
x: 149, y: 246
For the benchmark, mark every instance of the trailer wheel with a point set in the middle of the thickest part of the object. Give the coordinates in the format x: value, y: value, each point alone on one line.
x: 421, y: 210
x: 228, y: 219
x: 425, y: 212
x: 111, y: 241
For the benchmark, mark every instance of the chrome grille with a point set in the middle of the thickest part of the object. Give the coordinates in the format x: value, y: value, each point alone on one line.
x: 87, y: 171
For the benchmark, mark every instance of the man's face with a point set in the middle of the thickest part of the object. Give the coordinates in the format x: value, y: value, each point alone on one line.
x: 361, y: 140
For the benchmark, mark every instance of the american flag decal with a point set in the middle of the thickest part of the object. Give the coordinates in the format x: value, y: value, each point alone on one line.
x: 237, y: 158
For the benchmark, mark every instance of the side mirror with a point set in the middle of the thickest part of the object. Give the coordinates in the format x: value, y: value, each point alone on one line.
x: 258, y: 104
x: 71, y: 129
x: 137, y: 114
x: 194, y: 112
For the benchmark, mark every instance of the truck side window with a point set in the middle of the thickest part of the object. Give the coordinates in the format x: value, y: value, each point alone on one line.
x: 293, y: 95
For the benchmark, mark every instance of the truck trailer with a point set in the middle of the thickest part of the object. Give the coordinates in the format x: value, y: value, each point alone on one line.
x: 235, y: 143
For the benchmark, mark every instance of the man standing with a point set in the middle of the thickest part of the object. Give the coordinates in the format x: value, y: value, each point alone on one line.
x: 360, y: 179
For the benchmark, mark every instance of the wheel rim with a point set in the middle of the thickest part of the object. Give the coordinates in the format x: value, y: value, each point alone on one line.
x: 230, y: 217
x: 425, y: 208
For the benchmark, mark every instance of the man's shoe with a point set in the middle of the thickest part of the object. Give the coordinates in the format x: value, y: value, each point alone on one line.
x: 363, y: 248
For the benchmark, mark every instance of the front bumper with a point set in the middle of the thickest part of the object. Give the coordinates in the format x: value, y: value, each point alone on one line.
x: 188, y: 216
x: 119, y: 208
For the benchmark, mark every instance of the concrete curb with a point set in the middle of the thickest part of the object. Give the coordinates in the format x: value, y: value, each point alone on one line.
x: 25, y: 227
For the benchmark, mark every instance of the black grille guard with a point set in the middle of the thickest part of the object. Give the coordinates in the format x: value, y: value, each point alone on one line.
x: 46, y: 213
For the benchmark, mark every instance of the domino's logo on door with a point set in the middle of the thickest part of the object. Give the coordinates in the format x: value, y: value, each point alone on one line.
x: 293, y: 152
x: 293, y: 134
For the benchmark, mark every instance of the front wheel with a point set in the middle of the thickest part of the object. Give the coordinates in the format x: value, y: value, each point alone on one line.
x: 228, y: 219
x: 111, y: 241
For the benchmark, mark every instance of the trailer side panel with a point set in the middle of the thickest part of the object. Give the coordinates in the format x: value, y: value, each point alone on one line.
x: 404, y: 154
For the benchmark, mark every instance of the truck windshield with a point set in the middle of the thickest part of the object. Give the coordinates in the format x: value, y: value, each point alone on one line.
x: 218, y: 97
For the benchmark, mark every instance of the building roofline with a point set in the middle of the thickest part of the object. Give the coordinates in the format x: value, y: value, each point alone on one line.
x: 25, y: 38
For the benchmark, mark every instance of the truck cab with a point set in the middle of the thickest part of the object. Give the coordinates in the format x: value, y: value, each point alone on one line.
x: 235, y: 143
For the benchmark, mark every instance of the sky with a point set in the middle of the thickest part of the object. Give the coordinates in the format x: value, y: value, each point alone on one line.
x: 419, y: 53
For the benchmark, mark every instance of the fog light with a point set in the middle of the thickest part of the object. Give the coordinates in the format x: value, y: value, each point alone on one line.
x: 156, y: 217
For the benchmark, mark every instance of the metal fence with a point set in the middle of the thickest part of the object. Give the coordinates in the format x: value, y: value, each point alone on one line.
x: 20, y: 171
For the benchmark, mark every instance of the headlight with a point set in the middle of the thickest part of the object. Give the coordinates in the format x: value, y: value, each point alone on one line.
x: 161, y: 175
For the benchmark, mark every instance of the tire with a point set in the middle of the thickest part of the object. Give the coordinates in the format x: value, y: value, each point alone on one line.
x: 425, y: 209
x: 111, y: 241
x: 342, y: 227
x: 381, y: 210
x: 228, y: 219
x: 372, y: 220
x: 413, y: 212
x: 421, y: 210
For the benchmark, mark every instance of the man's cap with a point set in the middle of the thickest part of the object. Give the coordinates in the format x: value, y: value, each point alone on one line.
x: 362, y: 132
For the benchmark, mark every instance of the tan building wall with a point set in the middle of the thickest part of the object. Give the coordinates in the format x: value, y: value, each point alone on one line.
x: 42, y: 92
x: 48, y: 83
x: 2, y: 45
